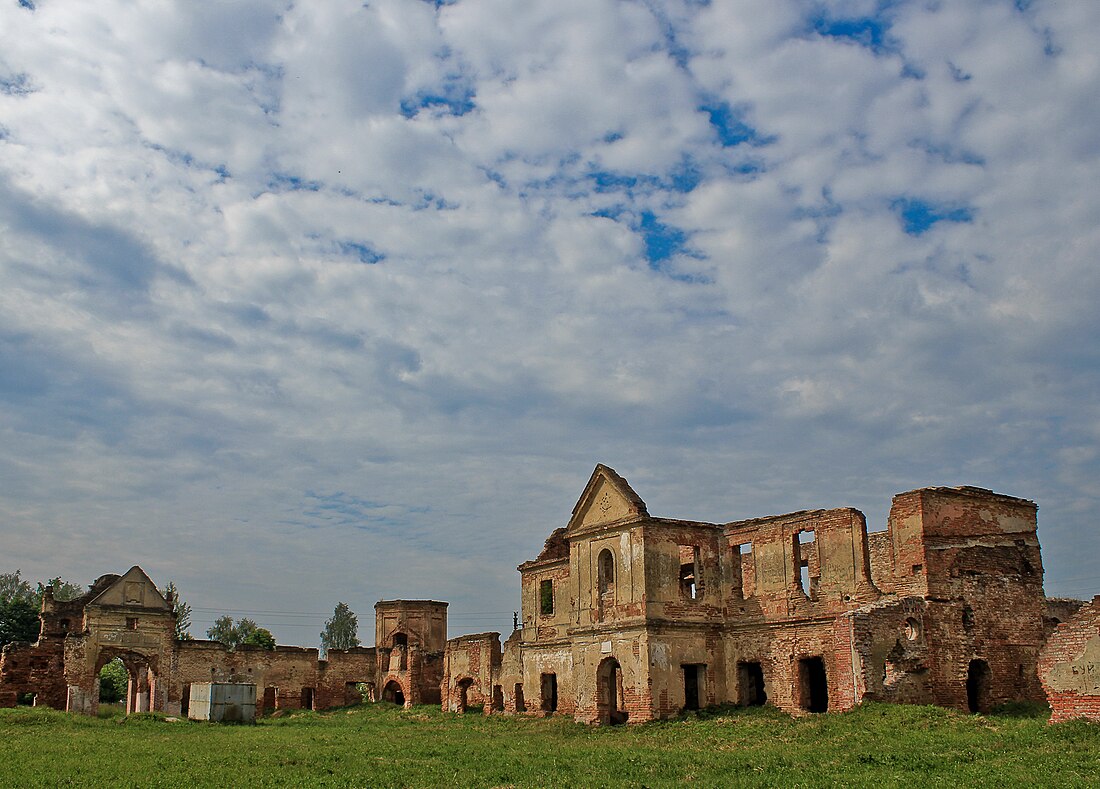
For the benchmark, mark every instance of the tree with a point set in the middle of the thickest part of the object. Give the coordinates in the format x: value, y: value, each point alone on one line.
x: 63, y: 590
x: 246, y: 631
x: 342, y: 630
x: 113, y: 681
x: 19, y: 607
x: 182, y: 611
x: 260, y: 637
x: 20, y: 604
x: 13, y: 587
x: 18, y: 621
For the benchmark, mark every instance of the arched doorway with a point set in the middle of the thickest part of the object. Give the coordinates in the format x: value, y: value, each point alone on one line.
x: 609, y: 692
x: 141, y: 691
x: 393, y: 694
x: 462, y: 694
x: 978, y: 680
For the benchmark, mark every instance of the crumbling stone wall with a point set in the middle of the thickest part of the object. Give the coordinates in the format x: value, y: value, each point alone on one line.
x: 806, y: 610
x: 126, y: 617
x: 471, y: 674
x: 1069, y: 666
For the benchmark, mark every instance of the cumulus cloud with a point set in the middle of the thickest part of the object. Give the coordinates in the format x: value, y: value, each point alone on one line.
x: 307, y: 303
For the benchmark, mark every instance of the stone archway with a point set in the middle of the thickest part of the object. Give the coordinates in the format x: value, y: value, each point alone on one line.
x: 393, y: 693
x: 462, y: 694
x: 610, y: 705
x: 141, y: 691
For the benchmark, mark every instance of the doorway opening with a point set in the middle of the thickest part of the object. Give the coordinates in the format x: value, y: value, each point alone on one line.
x: 463, y: 694
x: 694, y: 674
x: 549, y: 685
x: 814, y: 684
x: 609, y: 687
x: 978, y: 680
x: 393, y: 693
x: 750, y: 680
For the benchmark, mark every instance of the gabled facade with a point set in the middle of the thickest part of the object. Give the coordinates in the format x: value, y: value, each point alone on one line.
x: 631, y: 617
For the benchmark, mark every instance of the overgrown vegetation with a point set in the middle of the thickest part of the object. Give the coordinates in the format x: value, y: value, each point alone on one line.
x: 20, y: 604
x: 113, y: 681
x: 382, y: 745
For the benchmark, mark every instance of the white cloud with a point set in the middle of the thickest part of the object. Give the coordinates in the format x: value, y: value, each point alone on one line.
x: 338, y: 300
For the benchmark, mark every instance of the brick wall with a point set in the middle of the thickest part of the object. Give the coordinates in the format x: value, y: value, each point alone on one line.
x: 1069, y: 666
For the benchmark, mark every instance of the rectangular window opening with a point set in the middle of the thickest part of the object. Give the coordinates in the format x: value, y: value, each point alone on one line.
x: 546, y: 597
x: 521, y: 705
x: 131, y: 623
x: 690, y: 587
x: 805, y: 547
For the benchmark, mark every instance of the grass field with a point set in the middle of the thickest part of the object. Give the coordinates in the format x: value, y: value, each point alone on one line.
x: 381, y: 745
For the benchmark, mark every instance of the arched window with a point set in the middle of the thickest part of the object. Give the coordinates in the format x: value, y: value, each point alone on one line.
x: 606, y: 564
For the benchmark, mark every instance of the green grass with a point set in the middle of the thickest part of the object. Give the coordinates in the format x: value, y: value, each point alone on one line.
x: 380, y: 745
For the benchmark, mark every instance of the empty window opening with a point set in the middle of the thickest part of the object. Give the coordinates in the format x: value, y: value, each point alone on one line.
x: 521, y: 705
x: 399, y: 652
x: 693, y: 685
x: 750, y: 681
x: 605, y: 569
x: 549, y: 685
x: 462, y: 693
x: 805, y: 547
x: 498, y: 698
x: 307, y: 698
x: 64, y: 625
x: 393, y: 694
x: 546, y: 597
x: 978, y: 680
x: 968, y: 618
x: 689, y: 575
x: 358, y: 692
x: 917, y: 569
x: 745, y: 571
x: 131, y: 623
x: 814, y: 685
x: 26, y: 699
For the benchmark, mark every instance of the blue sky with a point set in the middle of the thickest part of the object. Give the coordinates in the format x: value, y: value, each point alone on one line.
x: 303, y: 303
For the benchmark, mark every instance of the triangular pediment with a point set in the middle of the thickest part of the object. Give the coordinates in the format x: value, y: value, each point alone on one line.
x: 607, y: 498
x: 134, y: 589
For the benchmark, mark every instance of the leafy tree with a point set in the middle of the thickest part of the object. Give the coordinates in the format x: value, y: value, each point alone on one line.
x: 233, y: 635
x: 113, y: 681
x: 13, y: 587
x: 18, y: 621
x: 182, y: 611
x: 20, y: 604
x: 342, y: 630
x: 260, y: 637
x: 19, y: 608
x: 63, y: 590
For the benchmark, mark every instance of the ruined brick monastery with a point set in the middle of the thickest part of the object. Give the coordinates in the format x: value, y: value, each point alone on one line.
x: 631, y: 617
